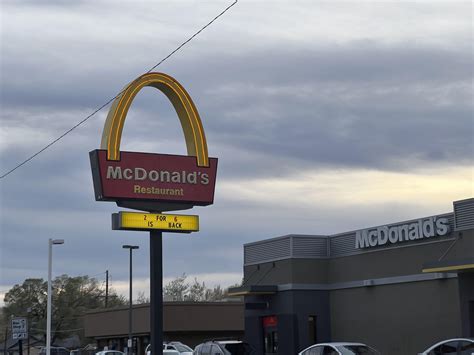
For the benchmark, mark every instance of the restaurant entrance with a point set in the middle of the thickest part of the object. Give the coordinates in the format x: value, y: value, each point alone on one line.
x: 270, y: 334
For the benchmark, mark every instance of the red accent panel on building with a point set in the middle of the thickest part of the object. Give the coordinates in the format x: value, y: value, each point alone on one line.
x: 270, y: 321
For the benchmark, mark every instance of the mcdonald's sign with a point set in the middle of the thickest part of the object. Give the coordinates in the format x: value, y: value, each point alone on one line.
x: 149, y: 181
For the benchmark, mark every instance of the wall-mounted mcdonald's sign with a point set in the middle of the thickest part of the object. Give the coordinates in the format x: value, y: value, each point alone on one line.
x: 149, y: 181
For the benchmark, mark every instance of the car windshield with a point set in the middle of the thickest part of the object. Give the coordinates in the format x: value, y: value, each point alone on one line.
x: 356, y: 350
x: 182, y: 347
x: 239, y: 349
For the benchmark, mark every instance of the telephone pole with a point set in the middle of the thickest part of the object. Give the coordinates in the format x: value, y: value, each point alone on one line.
x: 106, y: 288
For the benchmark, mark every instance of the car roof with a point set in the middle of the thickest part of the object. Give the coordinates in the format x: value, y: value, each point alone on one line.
x: 340, y: 344
x: 334, y: 344
x: 217, y: 341
x: 448, y: 340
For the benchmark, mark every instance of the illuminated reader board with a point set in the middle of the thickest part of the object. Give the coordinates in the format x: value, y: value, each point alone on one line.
x: 155, y: 221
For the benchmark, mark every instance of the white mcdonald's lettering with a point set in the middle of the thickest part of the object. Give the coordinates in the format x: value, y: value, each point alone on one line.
x: 423, y: 228
x: 140, y: 174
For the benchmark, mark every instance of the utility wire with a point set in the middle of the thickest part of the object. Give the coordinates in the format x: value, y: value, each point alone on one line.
x: 93, y: 276
x: 113, y: 98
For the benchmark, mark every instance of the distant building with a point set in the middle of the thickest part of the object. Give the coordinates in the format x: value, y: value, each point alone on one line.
x: 188, y: 322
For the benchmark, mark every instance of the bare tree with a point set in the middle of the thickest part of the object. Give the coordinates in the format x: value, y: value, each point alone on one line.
x: 73, y: 296
x: 176, y: 289
x: 142, y: 298
x: 180, y: 290
x: 197, y: 292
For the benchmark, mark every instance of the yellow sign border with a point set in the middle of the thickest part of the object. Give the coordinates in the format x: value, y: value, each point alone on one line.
x: 188, y: 115
x: 143, y: 221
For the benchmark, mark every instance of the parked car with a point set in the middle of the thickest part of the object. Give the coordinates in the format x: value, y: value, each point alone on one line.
x: 457, y: 346
x: 181, y: 348
x: 339, y: 349
x: 109, y: 352
x: 172, y: 348
x: 224, y: 347
x: 54, y: 350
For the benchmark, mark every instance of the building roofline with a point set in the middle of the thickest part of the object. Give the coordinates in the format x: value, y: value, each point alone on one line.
x: 237, y: 302
x: 286, y: 236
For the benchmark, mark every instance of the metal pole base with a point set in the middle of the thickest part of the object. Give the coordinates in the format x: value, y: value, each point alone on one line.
x: 156, y: 292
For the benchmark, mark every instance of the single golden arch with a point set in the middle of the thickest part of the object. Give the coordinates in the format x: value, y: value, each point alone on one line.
x: 188, y: 115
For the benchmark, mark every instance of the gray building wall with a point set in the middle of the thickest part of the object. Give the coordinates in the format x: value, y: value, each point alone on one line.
x: 395, y: 261
x: 307, y: 271
x: 466, y: 303
x: 397, y: 319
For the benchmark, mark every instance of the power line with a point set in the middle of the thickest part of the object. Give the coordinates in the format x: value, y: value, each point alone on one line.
x: 113, y: 98
x: 100, y: 273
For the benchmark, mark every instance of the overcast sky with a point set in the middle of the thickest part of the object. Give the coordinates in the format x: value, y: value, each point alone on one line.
x: 325, y: 116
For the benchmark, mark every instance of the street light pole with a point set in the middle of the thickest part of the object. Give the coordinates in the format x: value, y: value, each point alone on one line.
x: 28, y: 310
x: 129, y: 344
x: 51, y: 242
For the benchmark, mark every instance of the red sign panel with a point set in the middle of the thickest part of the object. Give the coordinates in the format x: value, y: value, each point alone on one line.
x: 153, y: 177
x: 270, y: 321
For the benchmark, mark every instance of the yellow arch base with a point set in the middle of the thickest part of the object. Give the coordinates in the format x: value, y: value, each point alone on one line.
x: 188, y: 115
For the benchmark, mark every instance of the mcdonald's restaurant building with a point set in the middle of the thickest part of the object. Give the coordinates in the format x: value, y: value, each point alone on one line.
x: 400, y: 287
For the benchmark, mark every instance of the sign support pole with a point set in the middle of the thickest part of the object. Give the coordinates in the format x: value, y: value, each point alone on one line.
x: 191, y: 182
x: 156, y: 292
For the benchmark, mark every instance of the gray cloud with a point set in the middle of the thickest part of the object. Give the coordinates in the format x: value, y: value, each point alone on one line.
x: 273, y: 106
x: 357, y: 106
x: 366, y: 65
